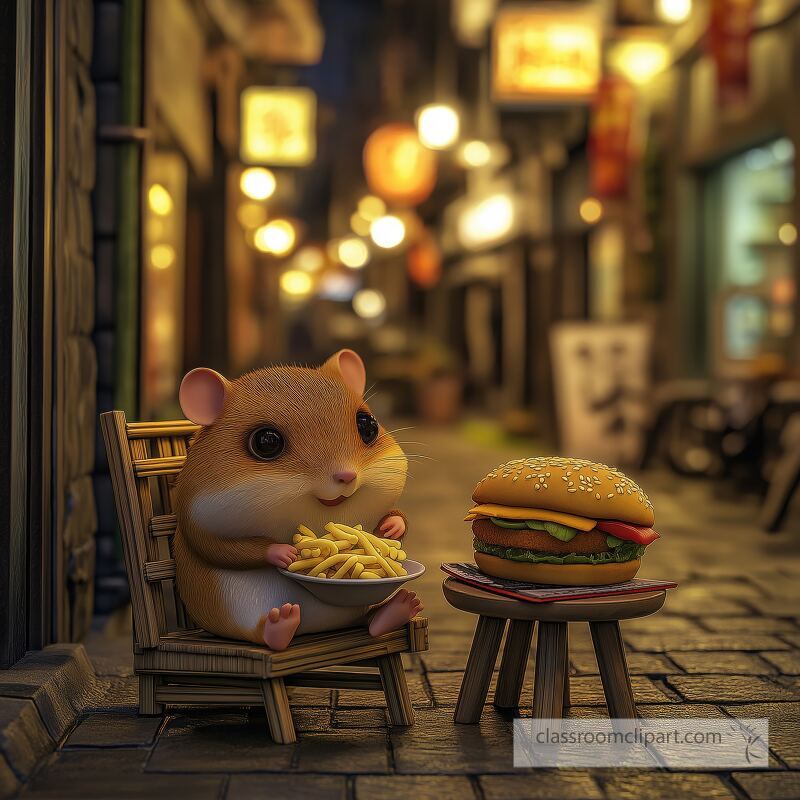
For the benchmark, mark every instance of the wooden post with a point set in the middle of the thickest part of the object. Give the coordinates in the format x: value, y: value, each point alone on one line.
x: 147, y: 696
x: 398, y: 701
x: 610, y: 652
x: 512, y: 667
x: 478, y: 673
x: 279, y: 714
x: 549, y: 678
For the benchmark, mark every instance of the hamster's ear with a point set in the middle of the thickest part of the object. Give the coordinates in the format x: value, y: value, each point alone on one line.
x: 202, y: 395
x: 350, y: 367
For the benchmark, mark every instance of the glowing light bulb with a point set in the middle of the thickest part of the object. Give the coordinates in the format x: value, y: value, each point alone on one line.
x: 159, y: 200
x: 787, y: 234
x: 437, y: 126
x: 296, y: 283
x: 590, y: 210
x: 487, y: 221
x: 476, y: 153
x: 277, y: 237
x: 674, y: 11
x: 352, y: 252
x: 639, y: 60
x: 310, y: 259
x: 369, y: 303
x: 258, y: 183
x: 162, y: 256
x: 388, y: 231
x: 371, y: 207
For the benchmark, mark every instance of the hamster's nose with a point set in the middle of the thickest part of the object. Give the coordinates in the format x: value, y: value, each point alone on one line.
x: 345, y: 476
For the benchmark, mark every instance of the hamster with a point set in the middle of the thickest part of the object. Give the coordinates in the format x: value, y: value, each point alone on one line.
x: 279, y: 447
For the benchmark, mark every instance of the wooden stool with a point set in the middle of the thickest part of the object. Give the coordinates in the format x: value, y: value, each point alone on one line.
x: 551, y: 677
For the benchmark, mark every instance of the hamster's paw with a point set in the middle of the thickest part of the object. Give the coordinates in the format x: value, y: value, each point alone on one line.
x: 280, y: 625
x: 405, y: 605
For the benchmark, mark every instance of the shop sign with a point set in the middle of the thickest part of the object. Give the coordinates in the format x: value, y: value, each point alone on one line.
x: 397, y: 166
x: 610, y: 137
x: 729, y: 33
x: 546, y: 54
x: 278, y: 126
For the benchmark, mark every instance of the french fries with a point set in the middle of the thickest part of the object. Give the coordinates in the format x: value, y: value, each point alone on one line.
x: 347, y: 552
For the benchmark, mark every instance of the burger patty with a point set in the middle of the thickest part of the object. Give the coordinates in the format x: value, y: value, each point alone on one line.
x: 540, y: 541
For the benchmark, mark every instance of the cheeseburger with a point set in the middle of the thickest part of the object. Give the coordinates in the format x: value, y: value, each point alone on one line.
x: 560, y: 521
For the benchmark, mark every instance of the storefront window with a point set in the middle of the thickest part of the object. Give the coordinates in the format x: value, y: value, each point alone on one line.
x: 754, y: 270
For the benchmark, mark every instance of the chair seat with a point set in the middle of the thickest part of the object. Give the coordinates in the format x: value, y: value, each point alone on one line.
x: 199, y: 651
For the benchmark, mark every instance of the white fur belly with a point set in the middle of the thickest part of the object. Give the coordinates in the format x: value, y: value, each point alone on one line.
x: 251, y: 594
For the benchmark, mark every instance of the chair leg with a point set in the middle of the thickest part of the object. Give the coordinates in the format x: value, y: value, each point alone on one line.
x: 398, y: 700
x: 610, y: 652
x: 147, y: 696
x: 512, y: 667
x: 279, y: 714
x: 550, y: 674
x: 566, y: 704
x: 478, y: 672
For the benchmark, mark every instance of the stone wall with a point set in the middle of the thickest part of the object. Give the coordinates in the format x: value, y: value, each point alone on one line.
x: 75, y: 350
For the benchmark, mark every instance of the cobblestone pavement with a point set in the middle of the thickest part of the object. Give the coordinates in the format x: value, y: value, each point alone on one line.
x: 727, y: 642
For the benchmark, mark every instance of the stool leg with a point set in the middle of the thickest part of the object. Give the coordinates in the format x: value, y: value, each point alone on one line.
x: 478, y: 672
x: 566, y: 704
x: 398, y: 701
x: 512, y: 667
x: 147, y: 695
x: 549, y: 677
x: 279, y: 714
x: 610, y: 652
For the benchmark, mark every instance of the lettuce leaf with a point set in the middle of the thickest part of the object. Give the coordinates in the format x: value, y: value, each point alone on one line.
x: 629, y: 551
x: 561, y: 532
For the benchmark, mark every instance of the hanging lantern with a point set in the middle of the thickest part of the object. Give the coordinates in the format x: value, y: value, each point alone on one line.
x: 425, y: 261
x: 397, y: 166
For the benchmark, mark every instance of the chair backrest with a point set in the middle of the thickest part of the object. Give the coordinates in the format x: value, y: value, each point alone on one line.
x: 144, y: 458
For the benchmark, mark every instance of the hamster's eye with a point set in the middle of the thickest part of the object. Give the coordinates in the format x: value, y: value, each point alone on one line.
x: 266, y: 443
x: 368, y: 427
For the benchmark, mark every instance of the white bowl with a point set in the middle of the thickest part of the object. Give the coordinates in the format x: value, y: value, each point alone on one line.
x: 355, y: 591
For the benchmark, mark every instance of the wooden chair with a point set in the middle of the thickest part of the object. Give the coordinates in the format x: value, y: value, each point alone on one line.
x: 178, y: 663
x: 551, y: 675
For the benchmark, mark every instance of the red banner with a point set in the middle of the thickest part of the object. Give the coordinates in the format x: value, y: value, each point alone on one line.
x: 729, y: 32
x: 610, y: 137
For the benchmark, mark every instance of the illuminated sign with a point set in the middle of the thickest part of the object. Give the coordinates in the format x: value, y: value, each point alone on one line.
x: 546, y: 54
x: 278, y: 126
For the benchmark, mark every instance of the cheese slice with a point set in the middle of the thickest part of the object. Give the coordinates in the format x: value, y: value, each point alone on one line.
x: 512, y: 512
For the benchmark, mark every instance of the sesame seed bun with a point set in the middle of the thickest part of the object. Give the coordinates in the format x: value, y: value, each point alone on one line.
x: 558, y: 574
x: 569, y: 485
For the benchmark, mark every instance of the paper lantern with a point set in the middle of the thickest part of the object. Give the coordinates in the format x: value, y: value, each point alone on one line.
x: 397, y: 167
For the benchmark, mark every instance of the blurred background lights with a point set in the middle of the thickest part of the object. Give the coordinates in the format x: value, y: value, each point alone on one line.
x: 369, y: 303
x: 251, y: 215
x: 371, y: 207
x: 296, y: 283
x: 787, y: 234
x: 590, y: 210
x: 258, y: 183
x: 388, y: 231
x: 674, y: 11
x: 437, y: 126
x: 476, y: 153
x: 639, y: 60
x: 487, y: 221
x: 353, y: 252
x: 162, y: 256
x: 359, y: 224
x: 310, y: 259
x: 159, y: 200
x: 277, y: 237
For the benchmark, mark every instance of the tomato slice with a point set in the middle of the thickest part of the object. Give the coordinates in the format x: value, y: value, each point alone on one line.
x: 628, y: 532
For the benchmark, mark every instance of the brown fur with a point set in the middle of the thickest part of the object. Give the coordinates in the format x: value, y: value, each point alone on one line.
x: 231, y: 506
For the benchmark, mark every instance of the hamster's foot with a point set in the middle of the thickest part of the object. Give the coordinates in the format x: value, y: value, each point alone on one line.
x: 280, y: 625
x: 405, y: 605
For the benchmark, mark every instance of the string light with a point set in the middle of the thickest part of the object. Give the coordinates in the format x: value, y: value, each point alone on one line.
x: 277, y: 237
x: 388, y: 231
x: 438, y: 126
x: 296, y: 283
x: 162, y: 256
x: 160, y: 200
x: 310, y: 259
x: 371, y: 207
x: 258, y: 183
x: 590, y: 210
x: 369, y: 303
x: 353, y: 253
